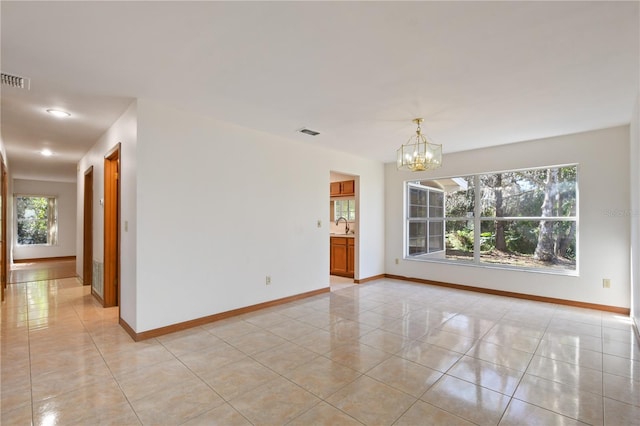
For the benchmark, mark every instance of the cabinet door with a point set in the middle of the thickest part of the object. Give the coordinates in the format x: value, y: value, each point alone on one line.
x: 335, y: 188
x: 348, y: 187
x: 351, y: 257
x: 339, y: 256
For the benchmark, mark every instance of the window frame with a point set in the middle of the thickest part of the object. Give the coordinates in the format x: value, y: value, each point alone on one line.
x: 478, y: 219
x: 52, y: 220
x: 427, y: 219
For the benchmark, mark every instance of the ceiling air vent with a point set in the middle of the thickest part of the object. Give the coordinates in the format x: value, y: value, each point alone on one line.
x: 16, y: 81
x: 309, y: 132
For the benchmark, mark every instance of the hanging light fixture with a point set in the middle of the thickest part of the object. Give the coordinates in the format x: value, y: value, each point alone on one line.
x: 418, y: 154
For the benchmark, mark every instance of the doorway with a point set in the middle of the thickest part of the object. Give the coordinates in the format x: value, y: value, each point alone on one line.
x: 344, y: 213
x: 111, y: 296
x: 87, y: 250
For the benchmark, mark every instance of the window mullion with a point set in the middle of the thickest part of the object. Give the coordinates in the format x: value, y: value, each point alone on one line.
x: 476, y: 219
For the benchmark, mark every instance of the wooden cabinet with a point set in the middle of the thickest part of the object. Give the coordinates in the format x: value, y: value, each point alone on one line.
x: 351, y: 255
x: 335, y: 189
x: 342, y: 189
x: 342, y: 256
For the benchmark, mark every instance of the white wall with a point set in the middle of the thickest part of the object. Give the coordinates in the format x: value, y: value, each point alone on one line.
x: 65, y: 192
x: 635, y: 211
x: 603, y: 225
x: 122, y: 131
x: 221, y: 207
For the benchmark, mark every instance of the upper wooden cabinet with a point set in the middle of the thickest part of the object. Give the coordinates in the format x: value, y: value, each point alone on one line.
x: 341, y: 189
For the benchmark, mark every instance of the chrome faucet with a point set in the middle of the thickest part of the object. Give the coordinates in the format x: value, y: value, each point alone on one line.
x: 346, y: 224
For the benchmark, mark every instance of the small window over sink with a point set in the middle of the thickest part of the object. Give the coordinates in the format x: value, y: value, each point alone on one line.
x: 344, y: 208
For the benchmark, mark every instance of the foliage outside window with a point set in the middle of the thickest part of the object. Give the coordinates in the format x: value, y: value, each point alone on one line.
x: 36, y: 218
x: 523, y: 219
x: 346, y: 209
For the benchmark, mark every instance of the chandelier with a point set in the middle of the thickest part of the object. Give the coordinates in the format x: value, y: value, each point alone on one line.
x: 418, y: 154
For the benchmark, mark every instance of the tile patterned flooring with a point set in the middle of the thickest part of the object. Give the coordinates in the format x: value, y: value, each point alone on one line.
x: 382, y: 353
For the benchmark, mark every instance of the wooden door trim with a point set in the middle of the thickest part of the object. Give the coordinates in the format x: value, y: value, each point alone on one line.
x: 87, y: 228
x: 3, y: 216
x: 111, y: 281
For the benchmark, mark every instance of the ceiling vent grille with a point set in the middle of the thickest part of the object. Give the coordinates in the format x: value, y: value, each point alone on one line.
x: 309, y: 132
x: 16, y: 81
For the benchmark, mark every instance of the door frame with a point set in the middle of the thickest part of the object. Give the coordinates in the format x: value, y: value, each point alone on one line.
x: 334, y: 174
x: 111, y: 282
x: 4, y: 273
x: 87, y: 236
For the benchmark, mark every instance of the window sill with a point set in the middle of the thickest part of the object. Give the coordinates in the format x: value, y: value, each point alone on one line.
x: 427, y: 258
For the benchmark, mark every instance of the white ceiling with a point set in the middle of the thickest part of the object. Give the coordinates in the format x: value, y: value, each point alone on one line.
x: 480, y: 73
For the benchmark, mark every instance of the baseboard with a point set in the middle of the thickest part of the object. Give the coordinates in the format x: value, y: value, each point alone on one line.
x: 366, y: 280
x: 44, y: 259
x: 607, y: 308
x: 216, y: 317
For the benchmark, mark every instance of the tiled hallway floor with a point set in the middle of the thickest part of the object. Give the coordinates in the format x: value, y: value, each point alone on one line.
x: 385, y: 352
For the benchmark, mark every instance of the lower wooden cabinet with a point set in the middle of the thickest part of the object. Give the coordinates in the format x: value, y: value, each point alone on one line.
x: 342, y: 256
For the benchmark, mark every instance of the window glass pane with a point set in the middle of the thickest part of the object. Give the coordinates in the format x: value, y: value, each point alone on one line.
x: 537, y: 192
x: 417, y: 202
x: 436, y: 204
x: 417, y: 238
x: 436, y: 234
x: 529, y: 243
x: 36, y: 220
x: 459, y: 240
x: 346, y: 209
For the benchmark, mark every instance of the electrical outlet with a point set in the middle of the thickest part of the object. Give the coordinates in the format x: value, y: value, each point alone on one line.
x: 397, y: 261
x: 606, y: 282
x: 268, y: 280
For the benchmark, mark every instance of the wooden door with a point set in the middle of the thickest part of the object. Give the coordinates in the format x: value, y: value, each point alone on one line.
x: 112, y: 227
x: 87, y: 251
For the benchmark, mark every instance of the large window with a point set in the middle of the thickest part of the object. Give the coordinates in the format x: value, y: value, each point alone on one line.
x: 521, y: 219
x: 36, y: 218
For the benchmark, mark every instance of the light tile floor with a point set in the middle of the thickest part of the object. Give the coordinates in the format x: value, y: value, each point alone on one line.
x: 382, y: 353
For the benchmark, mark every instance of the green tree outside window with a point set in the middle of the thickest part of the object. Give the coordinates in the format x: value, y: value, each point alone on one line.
x: 36, y: 220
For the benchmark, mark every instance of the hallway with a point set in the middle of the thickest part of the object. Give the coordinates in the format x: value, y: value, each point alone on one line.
x: 22, y: 272
x: 386, y: 352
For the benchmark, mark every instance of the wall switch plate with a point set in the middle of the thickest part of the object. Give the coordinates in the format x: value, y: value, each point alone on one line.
x: 268, y: 280
x: 319, y: 223
x: 397, y: 261
x: 606, y: 282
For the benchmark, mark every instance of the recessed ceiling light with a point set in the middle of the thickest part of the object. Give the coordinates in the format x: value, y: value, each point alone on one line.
x: 58, y: 113
x: 46, y: 152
